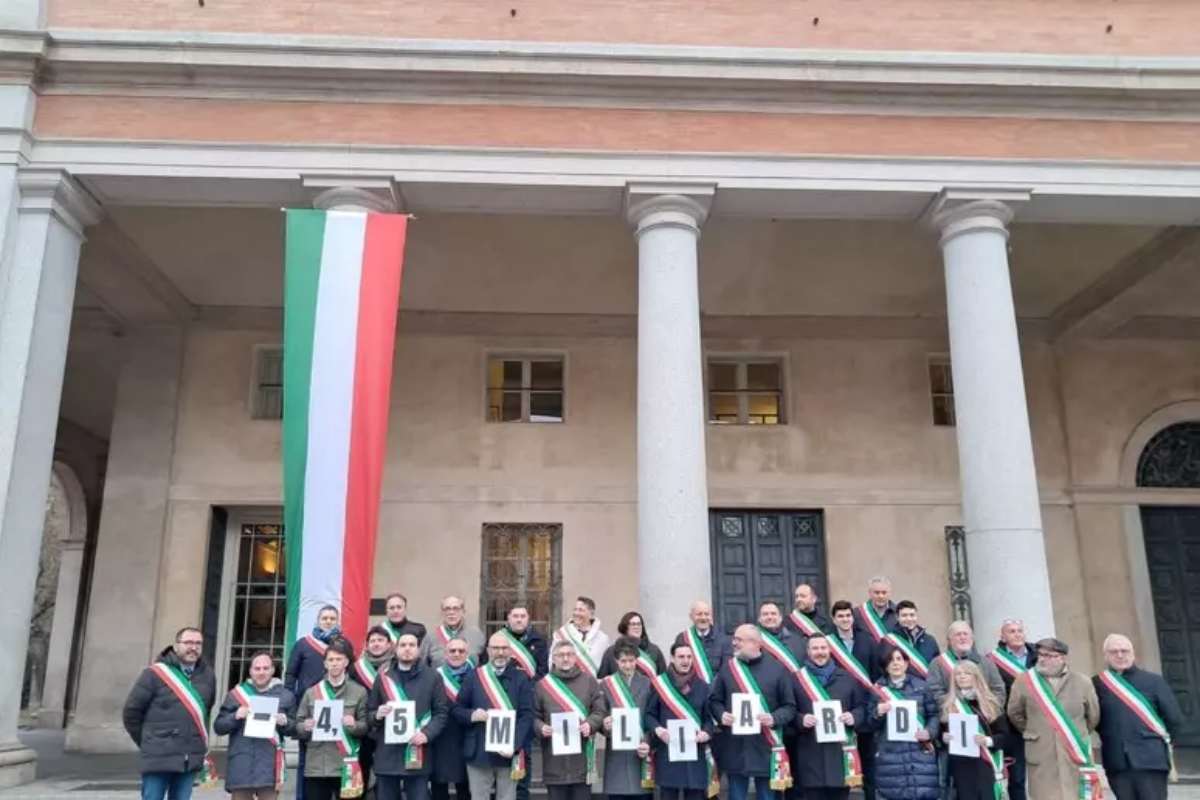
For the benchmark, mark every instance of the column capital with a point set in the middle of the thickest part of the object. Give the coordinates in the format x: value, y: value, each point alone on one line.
x: 652, y: 205
x: 55, y: 192
x: 353, y: 192
x: 958, y: 210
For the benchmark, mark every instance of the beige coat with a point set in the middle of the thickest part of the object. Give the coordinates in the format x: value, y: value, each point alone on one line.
x: 1052, y: 776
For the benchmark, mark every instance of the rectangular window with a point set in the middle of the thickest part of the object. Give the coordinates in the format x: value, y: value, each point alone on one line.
x: 522, y: 565
x: 525, y: 389
x: 941, y: 391
x: 259, y: 612
x: 745, y: 391
x: 266, y: 401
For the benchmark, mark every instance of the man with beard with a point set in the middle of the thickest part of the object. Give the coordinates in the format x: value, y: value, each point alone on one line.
x: 1058, y: 767
x: 679, y: 693
x: 497, y: 685
x: 404, y: 769
x: 710, y: 648
x: 397, y: 622
x: 531, y: 654
x: 171, y: 745
x: 806, y: 617
x: 449, y: 762
x: 770, y: 620
x: 759, y: 756
x: 854, y: 650
x: 568, y: 688
x: 822, y: 769
x: 376, y: 658
x: 1013, y: 658
x: 453, y: 626
x: 1138, y: 716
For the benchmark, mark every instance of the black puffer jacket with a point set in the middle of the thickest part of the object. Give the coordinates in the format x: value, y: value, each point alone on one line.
x: 161, y: 726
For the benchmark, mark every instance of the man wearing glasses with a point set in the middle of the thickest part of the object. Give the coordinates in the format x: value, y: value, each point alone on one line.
x: 1053, y: 758
x: 1013, y: 657
x: 453, y: 626
x: 162, y: 717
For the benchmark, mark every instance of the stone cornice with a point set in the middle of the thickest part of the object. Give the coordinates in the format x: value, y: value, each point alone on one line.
x: 209, y: 64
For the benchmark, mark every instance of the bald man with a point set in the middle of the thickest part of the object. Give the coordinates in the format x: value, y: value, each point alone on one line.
x: 1136, y: 756
x: 743, y: 757
x: 710, y: 647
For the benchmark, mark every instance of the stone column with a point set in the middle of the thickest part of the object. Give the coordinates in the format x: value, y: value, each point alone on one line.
x: 672, y: 534
x: 1001, y: 509
x: 35, y: 318
x: 62, y: 626
x: 122, y: 610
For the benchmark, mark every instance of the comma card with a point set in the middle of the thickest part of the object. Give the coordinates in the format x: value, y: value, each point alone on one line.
x: 327, y: 716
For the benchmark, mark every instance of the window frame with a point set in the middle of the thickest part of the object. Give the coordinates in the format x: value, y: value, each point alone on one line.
x: 556, y: 572
x: 743, y: 392
x: 254, y: 404
x: 526, y: 357
x: 941, y: 360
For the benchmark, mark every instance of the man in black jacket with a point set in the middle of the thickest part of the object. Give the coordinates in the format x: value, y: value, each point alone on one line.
x: 494, y: 771
x: 1138, y: 711
x: 397, y: 622
x: 534, y: 643
x: 715, y: 646
x: 1013, y: 656
x: 166, y: 715
x: 806, y: 616
x: 404, y: 769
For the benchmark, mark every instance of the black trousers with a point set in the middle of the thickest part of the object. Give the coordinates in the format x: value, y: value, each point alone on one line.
x: 395, y: 787
x: 866, y: 753
x: 681, y: 794
x: 826, y: 793
x: 441, y: 791
x: 322, y: 788
x: 1016, y: 769
x: 1138, y: 784
x: 569, y: 791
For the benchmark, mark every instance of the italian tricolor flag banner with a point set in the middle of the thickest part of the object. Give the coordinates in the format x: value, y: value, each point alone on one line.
x: 341, y: 295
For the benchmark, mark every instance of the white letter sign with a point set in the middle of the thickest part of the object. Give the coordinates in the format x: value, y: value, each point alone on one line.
x: 681, y: 736
x: 565, y: 739
x: 963, y: 728
x: 626, y: 729
x: 260, y: 722
x: 500, y: 733
x: 829, y: 721
x: 399, y: 726
x: 902, y: 721
x: 328, y: 718
x: 745, y: 709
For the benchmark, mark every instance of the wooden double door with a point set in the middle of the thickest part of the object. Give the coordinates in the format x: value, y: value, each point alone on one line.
x: 761, y: 555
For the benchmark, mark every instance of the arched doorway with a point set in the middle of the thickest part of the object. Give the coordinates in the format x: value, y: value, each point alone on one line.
x: 1171, y: 460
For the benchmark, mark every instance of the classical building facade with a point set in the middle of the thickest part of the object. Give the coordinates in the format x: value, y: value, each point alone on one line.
x: 696, y: 304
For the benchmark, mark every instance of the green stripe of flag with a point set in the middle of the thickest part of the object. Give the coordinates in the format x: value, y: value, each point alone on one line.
x: 305, y: 232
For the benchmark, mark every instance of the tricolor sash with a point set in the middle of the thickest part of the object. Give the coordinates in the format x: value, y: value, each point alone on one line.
x: 365, y: 671
x: 805, y: 623
x: 679, y: 705
x: 414, y: 754
x: 781, y: 769
x: 450, y: 683
x: 872, y: 622
x: 1009, y: 663
x: 917, y: 660
x: 193, y: 703
x: 242, y: 694
x: 1142, y: 708
x: 393, y: 631
x: 622, y: 697
x: 948, y: 661
x: 521, y: 654
x: 352, y: 779
x: 444, y: 636
x: 500, y: 701
x: 700, y: 663
x: 993, y: 758
x: 646, y: 664
x: 316, y: 644
x: 848, y: 662
x: 581, y: 651
x: 779, y: 651
x: 891, y: 694
x: 851, y: 761
x: 1078, y: 748
x: 566, y: 701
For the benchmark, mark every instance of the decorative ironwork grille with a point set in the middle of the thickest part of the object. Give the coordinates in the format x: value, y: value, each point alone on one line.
x: 522, y: 565
x: 1172, y: 458
x: 259, y: 600
x: 960, y: 576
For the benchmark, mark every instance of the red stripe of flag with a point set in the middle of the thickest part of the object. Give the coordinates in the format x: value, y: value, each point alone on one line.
x: 379, y: 300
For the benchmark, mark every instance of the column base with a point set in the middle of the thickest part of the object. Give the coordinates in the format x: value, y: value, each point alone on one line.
x: 18, y: 765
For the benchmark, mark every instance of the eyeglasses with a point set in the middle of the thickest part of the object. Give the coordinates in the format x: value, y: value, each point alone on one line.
x: 458, y: 651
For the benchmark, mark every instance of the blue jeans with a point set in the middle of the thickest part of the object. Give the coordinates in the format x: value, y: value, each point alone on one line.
x: 173, y: 785
x: 739, y: 787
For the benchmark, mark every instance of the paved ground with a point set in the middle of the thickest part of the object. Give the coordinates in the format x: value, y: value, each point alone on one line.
x: 68, y: 776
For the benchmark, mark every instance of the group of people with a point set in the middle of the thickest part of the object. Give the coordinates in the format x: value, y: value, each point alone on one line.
x: 1034, y: 715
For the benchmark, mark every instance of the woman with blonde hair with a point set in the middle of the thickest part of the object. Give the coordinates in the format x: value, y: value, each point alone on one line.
x: 976, y: 778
